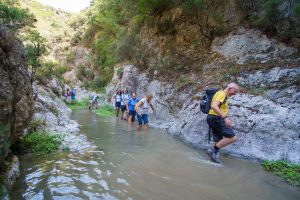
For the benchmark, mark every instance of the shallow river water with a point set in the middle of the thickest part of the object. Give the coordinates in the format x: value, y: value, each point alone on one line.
x: 138, y: 165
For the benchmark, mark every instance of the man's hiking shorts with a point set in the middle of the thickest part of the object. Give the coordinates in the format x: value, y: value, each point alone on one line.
x: 219, y: 128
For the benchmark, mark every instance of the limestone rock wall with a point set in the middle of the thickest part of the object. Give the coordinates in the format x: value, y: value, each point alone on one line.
x: 16, y: 97
x: 249, y: 46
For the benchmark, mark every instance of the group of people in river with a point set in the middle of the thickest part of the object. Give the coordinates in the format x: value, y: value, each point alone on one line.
x: 70, y: 96
x: 131, y: 107
x: 217, y: 118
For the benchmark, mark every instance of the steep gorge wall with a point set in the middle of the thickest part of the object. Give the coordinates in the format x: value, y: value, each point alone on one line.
x: 16, y: 101
x: 15, y: 91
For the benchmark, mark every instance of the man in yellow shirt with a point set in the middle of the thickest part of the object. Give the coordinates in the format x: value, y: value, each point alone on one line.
x: 219, y: 122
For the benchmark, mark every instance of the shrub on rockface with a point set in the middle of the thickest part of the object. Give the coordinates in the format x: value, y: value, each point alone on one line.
x: 48, y: 70
x: 41, y: 142
x: 279, y: 18
x: 13, y: 16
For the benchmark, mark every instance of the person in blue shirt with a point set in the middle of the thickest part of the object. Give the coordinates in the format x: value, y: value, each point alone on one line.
x: 130, y: 107
x: 73, y: 97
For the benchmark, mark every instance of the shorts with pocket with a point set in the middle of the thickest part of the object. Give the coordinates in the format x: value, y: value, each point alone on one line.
x: 219, y: 128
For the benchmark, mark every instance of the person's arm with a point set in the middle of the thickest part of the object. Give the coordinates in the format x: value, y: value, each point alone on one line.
x: 137, y: 107
x: 216, y: 107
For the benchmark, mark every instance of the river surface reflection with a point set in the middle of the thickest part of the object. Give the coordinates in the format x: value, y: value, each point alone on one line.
x: 137, y: 165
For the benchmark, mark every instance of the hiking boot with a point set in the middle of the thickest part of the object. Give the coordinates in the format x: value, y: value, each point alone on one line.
x: 213, y: 154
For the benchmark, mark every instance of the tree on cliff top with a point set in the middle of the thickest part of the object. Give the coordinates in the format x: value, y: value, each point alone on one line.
x: 14, y: 17
x: 34, y: 49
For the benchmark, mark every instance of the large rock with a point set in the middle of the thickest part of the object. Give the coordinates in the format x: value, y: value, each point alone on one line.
x: 251, y: 46
x: 55, y: 118
x: 266, y: 129
x: 16, y: 97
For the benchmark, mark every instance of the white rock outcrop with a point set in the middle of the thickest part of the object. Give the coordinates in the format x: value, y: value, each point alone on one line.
x: 251, y: 46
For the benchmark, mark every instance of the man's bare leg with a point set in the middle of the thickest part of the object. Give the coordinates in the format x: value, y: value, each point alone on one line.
x: 226, y: 141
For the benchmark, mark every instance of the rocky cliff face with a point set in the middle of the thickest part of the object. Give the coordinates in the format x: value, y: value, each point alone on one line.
x: 267, y: 123
x: 16, y: 104
x: 52, y: 114
x: 16, y: 97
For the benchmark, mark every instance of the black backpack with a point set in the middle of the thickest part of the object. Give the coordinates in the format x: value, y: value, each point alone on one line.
x: 206, y: 99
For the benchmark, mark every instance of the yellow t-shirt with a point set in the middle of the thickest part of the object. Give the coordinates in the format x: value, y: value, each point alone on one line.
x: 220, y: 96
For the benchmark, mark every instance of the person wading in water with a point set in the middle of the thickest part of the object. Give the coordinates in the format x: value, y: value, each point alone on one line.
x: 130, y: 107
x: 142, y: 109
x: 124, y: 101
x: 218, y: 121
x: 117, y: 98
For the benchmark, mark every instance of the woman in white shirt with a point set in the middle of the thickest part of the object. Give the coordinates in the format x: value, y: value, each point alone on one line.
x: 124, y: 101
x: 142, y: 109
x: 117, y: 98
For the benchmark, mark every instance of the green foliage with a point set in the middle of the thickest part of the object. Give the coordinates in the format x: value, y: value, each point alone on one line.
x: 71, y: 57
x: 120, y: 72
x: 113, y: 30
x: 60, y: 70
x: 208, y: 15
x: 297, y: 9
x: 257, y: 91
x: 3, y: 191
x: 35, y: 125
x: 153, y: 7
x: 34, y: 49
x: 84, y: 73
x: 96, y: 85
x: 41, y: 142
x: 272, y: 13
x: 14, y: 16
x: 184, y: 82
x: 290, y: 172
x: 105, y: 111
x: 79, y: 105
x: 50, y: 69
x: 232, y: 73
x: 272, y: 16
